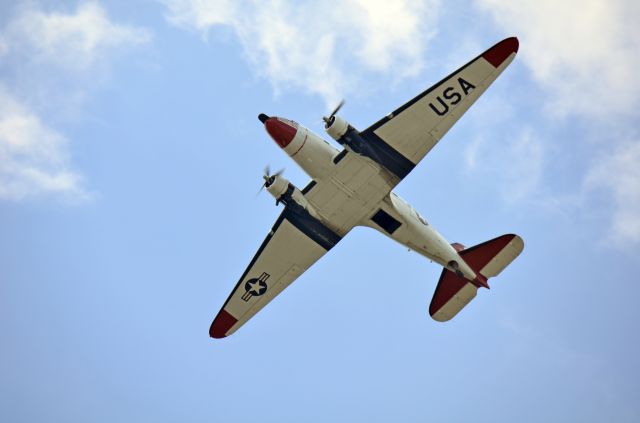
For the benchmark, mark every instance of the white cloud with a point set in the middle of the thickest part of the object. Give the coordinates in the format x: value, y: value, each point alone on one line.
x: 517, y: 164
x: 72, y: 41
x: 525, y: 159
x: 4, y: 47
x: 33, y: 158
x: 49, y: 61
x: 585, y: 56
x: 201, y: 15
x: 619, y: 173
x: 317, y: 46
x: 585, y: 53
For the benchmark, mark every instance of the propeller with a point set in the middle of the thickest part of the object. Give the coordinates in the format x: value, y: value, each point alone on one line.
x: 269, y: 179
x: 329, y: 120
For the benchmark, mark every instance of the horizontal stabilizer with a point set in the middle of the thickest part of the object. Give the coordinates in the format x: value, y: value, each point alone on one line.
x: 452, y: 294
x: 490, y: 258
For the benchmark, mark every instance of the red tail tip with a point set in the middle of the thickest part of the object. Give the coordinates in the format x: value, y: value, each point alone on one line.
x: 481, y: 281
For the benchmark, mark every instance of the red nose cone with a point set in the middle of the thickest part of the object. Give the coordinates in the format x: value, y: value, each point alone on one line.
x: 281, y: 132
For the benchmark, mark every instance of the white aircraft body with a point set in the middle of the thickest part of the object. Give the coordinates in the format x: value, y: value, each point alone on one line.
x: 353, y: 187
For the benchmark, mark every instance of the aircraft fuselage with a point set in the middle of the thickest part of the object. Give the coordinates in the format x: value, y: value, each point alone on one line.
x: 387, y: 213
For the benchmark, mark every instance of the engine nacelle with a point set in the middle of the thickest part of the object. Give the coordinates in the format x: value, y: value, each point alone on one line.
x: 285, y: 192
x: 336, y: 127
x: 278, y: 187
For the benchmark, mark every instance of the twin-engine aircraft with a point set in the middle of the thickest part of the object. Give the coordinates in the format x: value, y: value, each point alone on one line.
x: 353, y: 187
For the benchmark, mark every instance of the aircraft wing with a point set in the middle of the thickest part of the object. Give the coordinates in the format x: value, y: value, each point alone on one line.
x: 296, y: 241
x: 402, y: 138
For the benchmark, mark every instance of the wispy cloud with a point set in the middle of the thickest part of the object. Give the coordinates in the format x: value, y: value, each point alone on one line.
x: 619, y: 173
x: 73, y: 41
x: 34, y: 157
x: 516, y: 164
x: 316, y: 46
x: 585, y: 53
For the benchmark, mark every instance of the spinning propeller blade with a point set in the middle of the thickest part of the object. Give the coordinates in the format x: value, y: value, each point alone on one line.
x: 328, y: 120
x: 269, y: 179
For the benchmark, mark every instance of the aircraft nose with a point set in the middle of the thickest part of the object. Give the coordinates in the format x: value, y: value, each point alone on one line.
x: 281, y: 132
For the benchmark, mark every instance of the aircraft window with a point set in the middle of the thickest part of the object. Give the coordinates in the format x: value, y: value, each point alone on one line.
x: 386, y: 221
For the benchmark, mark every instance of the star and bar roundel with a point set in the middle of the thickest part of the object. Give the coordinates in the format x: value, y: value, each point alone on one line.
x: 255, y: 287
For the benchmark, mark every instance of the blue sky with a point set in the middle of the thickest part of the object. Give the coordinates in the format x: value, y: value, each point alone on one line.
x: 130, y: 158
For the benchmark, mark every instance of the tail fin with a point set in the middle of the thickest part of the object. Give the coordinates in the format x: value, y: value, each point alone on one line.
x: 489, y: 259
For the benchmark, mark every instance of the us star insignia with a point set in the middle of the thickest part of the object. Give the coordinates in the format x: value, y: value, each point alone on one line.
x: 255, y: 287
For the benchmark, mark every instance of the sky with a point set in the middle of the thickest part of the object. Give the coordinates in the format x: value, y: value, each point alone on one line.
x: 130, y: 159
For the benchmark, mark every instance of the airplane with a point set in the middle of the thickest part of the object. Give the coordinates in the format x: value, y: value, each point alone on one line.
x: 353, y: 187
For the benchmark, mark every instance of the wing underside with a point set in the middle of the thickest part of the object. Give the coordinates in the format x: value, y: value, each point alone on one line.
x: 406, y: 135
x: 295, y: 242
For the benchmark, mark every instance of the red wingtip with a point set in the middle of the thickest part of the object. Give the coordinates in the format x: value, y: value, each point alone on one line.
x: 281, y: 132
x: 221, y: 324
x: 499, y: 53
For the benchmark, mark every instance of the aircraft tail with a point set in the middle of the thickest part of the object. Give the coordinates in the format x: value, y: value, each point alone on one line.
x: 488, y: 259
